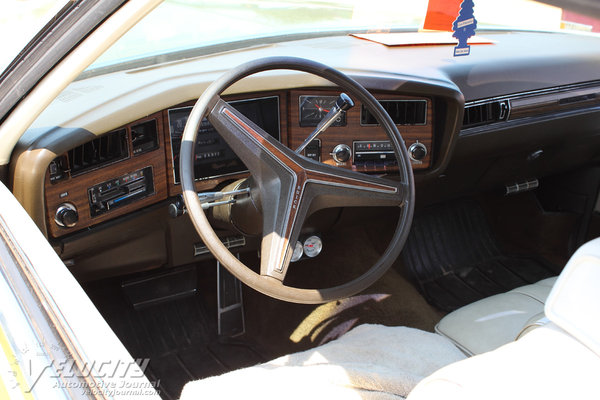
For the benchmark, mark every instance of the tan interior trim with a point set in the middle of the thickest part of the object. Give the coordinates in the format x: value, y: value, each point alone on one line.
x: 29, y: 170
x: 28, y: 173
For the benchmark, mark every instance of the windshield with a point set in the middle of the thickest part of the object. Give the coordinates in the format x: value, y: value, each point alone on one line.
x: 184, y: 24
x: 177, y: 26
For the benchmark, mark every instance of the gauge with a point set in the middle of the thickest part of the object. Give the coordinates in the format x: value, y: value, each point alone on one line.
x: 313, y: 246
x: 298, y: 252
x: 314, y: 108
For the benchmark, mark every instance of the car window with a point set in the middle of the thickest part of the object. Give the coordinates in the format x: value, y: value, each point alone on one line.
x: 21, y: 20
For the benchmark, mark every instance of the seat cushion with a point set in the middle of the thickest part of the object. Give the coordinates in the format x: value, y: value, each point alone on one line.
x: 369, y: 362
x: 547, y: 363
x: 496, y: 320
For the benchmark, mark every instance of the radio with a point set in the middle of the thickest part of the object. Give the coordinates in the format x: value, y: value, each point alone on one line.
x: 374, y: 151
x: 118, y: 192
x: 381, y: 152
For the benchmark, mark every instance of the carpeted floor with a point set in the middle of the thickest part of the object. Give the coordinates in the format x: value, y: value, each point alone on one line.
x: 456, y: 259
x: 180, y: 336
x: 284, y: 328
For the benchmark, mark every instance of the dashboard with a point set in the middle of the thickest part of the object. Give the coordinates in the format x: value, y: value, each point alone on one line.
x: 98, y: 170
x: 138, y: 164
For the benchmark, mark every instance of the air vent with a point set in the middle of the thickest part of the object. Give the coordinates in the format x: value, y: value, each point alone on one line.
x: 485, y: 113
x: 402, y: 112
x: 100, y: 151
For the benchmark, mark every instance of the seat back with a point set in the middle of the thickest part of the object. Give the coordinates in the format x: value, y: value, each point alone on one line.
x: 574, y: 302
x: 556, y: 361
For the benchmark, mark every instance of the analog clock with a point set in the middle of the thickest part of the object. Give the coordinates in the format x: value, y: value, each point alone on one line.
x: 314, y: 108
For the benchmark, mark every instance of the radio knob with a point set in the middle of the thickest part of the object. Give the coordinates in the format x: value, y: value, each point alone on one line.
x: 341, y: 153
x: 66, y: 215
x: 417, y: 151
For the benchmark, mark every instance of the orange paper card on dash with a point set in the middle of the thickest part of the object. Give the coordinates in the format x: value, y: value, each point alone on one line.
x: 417, y: 38
x: 441, y: 14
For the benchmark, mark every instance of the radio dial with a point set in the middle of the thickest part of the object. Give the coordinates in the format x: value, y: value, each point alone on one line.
x: 417, y: 151
x: 341, y: 153
x: 66, y: 215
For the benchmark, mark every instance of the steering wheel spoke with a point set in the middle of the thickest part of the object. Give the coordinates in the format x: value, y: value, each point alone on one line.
x: 333, y: 186
x: 251, y: 144
x: 278, y: 241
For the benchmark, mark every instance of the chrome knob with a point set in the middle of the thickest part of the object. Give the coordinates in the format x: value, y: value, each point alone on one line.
x: 344, y: 102
x: 417, y: 151
x: 341, y: 153
x: 66, y: 215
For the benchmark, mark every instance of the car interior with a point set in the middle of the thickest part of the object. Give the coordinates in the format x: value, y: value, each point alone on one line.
x: 214, y: 231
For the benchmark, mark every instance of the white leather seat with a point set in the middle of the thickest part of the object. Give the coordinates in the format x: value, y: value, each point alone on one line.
x: 496, y: 320
x: 548, y: 363
x: 557, y: 361
x: 560, y: 360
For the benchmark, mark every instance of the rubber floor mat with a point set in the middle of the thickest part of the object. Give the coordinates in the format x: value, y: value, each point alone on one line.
x: 178, y: 337
x: 455, y: 259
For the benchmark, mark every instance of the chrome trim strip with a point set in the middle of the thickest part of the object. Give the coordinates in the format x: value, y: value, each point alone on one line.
x: 483, y: 129
x: 395, y: 189
x: 522, y: 95
x: 554, y: 89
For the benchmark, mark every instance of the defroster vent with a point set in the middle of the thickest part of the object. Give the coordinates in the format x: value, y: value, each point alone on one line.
x: 100, y: 151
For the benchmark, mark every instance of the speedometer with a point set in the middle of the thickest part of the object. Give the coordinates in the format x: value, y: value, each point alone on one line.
x: 314, y: 108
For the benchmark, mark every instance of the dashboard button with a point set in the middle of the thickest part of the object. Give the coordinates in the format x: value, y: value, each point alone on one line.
x: 313, y: 150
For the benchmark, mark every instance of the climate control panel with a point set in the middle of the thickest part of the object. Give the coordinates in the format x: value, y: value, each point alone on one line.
x: 117, y: 192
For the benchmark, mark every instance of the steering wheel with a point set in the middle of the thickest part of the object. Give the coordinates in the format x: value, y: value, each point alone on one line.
x: 290, y: 186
